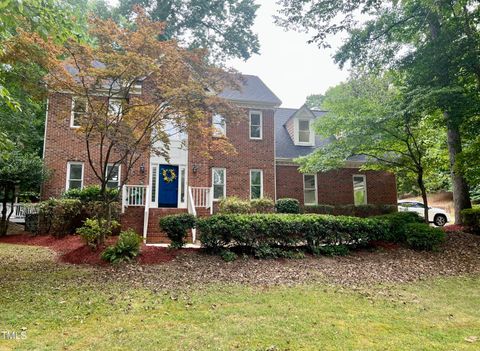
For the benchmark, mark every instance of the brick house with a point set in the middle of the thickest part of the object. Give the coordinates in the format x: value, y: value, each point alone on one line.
x: 267, y: 141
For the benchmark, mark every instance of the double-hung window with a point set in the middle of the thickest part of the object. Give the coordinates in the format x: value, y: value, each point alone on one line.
x: 74, y: 175
x: 113, y: 174
x: 310, y: 189
x: 256, y: 184
x: 219, y: 126
x: 115, y: 107
x: 79, y: 108
x: 256, y: 130
x: 304, y: 134
x: 359, y: 190
x: 219, y: 183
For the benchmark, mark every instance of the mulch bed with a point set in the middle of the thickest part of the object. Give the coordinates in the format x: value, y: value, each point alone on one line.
x: 71, y: 249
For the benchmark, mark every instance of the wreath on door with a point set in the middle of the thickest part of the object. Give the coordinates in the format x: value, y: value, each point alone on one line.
x: 169, y: 175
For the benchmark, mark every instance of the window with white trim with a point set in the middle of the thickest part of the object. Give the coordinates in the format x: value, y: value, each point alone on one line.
x: 115, y: 107
x: 256, y: 184
x: 359, y: 190
x: 74, y: 175
x: 256, y: 130
x: 219, y: 183
x: 219, y: 125
x: 309, y: 189
x: 304, y: 133
x: 113, y: 174
x: 79, y: 108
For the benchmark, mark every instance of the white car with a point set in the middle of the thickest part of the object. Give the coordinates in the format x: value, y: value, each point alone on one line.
x: 436, y: 216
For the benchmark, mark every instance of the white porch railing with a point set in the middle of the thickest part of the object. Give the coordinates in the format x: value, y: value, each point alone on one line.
x: 136, y: 196
x: 192, y: 210
x: 19, y: 211
x: 202, y: 197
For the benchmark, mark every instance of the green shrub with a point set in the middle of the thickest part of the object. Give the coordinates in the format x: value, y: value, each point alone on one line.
x: 287, y: 206
x: 268, y: 252
x: 62, y: 216
x: 394, y: 225
x: 94, y: 231
x: 471, y: 218
x: 176, y: 226
x: 126, y: 248
x: 332, y: 250
x: 319, y: 209
x: 420, y: 236
x: 31, y: 222
x: 344, y: 210
x: 233, y: 204
x: 228, y: 256
x: 91, y: 193
x: 264, y: 205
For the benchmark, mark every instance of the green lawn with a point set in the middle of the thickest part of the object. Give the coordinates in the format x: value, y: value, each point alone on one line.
x: 68, y: 308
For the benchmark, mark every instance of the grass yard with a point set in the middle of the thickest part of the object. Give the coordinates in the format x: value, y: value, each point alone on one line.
x: 65, y: 307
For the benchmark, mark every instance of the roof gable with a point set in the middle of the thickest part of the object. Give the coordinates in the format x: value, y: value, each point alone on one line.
x: 252, y: 90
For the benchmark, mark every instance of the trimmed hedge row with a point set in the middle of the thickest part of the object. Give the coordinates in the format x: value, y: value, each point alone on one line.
x: 351, y: 210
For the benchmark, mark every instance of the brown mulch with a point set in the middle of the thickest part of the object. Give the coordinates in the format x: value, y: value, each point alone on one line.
x: 459, y: 256
x: 71, y: 249
x: 183, y: 269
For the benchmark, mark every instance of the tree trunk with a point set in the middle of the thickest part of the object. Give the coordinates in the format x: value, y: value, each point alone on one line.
x: 5, y: 217
x: 461, y: 195
x: 423, y: 190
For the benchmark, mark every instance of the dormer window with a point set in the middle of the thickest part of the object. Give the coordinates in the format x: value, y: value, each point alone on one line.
x: 303, y: 132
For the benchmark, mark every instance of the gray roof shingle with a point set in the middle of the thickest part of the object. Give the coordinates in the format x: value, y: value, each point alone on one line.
x: 253, y: 90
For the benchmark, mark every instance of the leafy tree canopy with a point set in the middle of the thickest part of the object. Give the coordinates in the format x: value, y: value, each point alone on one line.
x: 315, y: 101
x: 222, y: 26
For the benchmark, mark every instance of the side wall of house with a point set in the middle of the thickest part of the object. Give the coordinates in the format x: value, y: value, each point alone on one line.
x: 336, y: 187
x: 250, y: 154
x: 64, y: 144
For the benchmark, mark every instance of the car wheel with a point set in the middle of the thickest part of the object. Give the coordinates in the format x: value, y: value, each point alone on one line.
x: 440, y: 220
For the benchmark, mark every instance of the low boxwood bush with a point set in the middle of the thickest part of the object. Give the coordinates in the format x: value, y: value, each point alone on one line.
x: 287, y: 205
x: 394, y: 225
x: 471, y: 219
x: 420, y: 236
x: 319, y: 209
x: 176, y: 227
x: 233, y: 204
x: 264, y: 205
x: 126, y: 248
x: 60, y: 216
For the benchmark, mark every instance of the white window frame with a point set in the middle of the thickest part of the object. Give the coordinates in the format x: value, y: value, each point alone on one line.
x: 119, y: 173
x: 297, y: 132
x: 217, y: 133
x: 365, y: 184
x: 224, y: 183
x: 121, y: 101
x: 69, y: 163
x: 261, y: 182
x: 256, y: 112
x: 316, y: 190
x: 72, y: 112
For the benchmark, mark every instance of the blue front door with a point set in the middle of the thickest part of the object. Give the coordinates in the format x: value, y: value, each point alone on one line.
x: 168, y: 186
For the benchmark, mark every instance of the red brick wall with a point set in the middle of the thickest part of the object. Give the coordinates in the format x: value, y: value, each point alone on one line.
x: 251, y: 154
x: 336, y: 187
x: 133, y: 219
x: 64, y: 144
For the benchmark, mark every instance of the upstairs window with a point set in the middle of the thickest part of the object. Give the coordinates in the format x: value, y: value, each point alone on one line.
x: 219, y: 125
x: 79, y: 108
x: 304, y: 134
x: 256, y: 184
x: 113, y: 174
x: 309, y: 189
x: 218, y: 183
x: 115, y: 108
x: 256, y: 129
x: 74, y: 175
x: 359, y: 190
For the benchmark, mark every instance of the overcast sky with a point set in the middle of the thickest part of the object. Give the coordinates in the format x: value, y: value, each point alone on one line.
x: 290, y: 67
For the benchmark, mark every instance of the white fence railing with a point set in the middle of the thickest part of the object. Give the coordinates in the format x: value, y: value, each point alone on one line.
x: 134, y: 195
x: 192, y: 210
x: 19, y: 211
x: 202, y: 197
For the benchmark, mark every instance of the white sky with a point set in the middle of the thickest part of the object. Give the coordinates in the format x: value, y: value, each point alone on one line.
x: 291, y: 68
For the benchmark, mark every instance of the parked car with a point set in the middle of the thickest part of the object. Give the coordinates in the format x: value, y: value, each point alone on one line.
x: 437, y: 216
